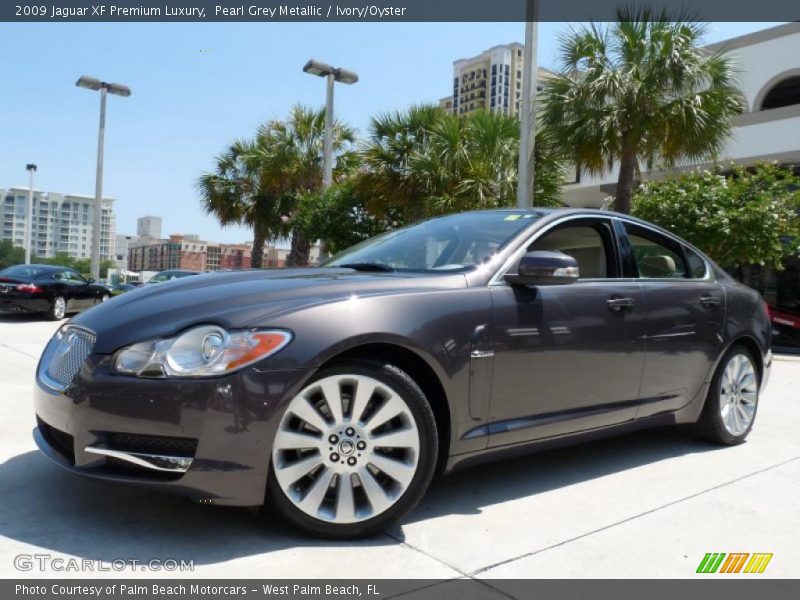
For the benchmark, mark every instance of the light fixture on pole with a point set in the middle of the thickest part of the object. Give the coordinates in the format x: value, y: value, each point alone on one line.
x: 31, y: 168
x: 527, y: 113
x: 90, y: 83
x: 332, y: 74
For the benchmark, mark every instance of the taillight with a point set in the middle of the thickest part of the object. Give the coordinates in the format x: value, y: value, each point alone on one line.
x: 29, y: 288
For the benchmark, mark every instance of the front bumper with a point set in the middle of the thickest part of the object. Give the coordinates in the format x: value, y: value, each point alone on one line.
x: 226, y: 423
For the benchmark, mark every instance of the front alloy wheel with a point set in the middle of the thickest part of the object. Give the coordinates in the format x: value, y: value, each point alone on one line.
x: 354, y: 451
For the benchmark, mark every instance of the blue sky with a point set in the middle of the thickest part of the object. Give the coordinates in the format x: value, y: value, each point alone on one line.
x: 198, y: 86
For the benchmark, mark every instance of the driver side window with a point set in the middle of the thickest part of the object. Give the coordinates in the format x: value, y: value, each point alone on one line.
x: 587, y: 244
x: 72, y: 277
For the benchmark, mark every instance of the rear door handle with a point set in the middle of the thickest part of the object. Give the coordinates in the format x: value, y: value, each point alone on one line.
x: 620, y: 303
x: 709, y: 301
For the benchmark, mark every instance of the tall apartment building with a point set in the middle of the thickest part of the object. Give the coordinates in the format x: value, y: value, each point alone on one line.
x: 121, y: 244
x: 490, y: 81
x: 61, y: 223
x: 186, y: 252
x: 148, y: 227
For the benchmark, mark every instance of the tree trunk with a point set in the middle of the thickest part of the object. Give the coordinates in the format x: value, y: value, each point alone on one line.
x: 301, y: 248
x: 257, y: 253
x: 627, y: 170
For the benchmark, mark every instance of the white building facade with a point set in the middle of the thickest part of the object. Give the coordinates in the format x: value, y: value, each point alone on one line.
x: 61, y: 223
x: 769, y: 78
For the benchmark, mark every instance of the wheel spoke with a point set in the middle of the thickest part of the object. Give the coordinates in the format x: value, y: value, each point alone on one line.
x: 313, y: 498
x: 292, y: 440
x: 735, y: 424
x: 399, y: 438
x: 296, y: 470
x: 744, y: 418
x: 742, y: 365
x: 364, y: 390
x: 392, y: 407
x: 333, y: 398
x: 749, y: 397
x: 302, y: 408
x: 378, y: 499
x: 345, y: 504
x: 400, y: 472
x: 748, y: 380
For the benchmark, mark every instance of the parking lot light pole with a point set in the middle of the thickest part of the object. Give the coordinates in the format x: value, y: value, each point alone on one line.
x: 90, y: 83
x: 29, y: 214
x: 332, y: 75
x: 527, y: 113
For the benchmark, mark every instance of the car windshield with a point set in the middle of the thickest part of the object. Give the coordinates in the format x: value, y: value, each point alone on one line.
x: 450, y: 243
x: 28, y: 271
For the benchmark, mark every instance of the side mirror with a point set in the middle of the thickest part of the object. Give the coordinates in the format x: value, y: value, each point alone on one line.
x: 543, y: 267
x: 90, y: 280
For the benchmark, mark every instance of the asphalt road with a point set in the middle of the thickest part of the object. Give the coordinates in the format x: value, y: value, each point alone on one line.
x: 649, y: 504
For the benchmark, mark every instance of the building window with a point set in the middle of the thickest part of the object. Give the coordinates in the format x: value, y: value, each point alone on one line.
x: 785, y: 93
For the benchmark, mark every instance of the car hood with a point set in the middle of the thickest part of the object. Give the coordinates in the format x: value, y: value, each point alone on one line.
x: 239, y: 299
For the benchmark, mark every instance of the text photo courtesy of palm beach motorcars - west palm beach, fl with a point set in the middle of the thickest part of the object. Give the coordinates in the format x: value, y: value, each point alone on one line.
x: 321, y: 299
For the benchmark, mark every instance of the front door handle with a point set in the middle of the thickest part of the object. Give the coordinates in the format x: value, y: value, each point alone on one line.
x: 709, y: 301
x: 620, y: 303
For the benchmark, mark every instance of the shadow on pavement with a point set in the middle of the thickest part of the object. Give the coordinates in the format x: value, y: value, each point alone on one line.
x: 45, y: 507
x: 22, y: 317
x: 468, y: 491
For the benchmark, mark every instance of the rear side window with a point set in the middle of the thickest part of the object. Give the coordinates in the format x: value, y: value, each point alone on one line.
x: 656, y: 256
x: 697, y: 266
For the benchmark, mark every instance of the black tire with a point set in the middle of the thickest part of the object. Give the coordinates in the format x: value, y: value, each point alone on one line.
x: 406, y: 387
x: 710, y: 425
x: 102, y: 299
x: 52, y: 313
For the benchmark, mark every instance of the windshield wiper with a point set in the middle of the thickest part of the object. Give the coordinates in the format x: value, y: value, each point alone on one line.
x: 367, y: 266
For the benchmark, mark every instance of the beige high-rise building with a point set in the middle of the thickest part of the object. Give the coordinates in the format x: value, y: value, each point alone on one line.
x: 490, y: 81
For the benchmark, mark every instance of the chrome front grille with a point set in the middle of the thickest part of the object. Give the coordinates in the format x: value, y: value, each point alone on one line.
x: 72, y: 346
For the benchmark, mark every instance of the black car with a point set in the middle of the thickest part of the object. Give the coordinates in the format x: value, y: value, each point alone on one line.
x: 171, y: 274
x: 338, y: 392
x: 50, y: 290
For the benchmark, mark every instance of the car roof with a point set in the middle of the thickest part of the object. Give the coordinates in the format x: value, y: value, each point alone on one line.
x: 42, y: 267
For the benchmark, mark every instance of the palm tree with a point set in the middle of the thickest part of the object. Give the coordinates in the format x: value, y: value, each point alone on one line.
x: 291, y: 155
x: 426, y: 161
x: 639, y: 91
x: 388, y: 178
x: 236, y: 194
x: 471, y: 162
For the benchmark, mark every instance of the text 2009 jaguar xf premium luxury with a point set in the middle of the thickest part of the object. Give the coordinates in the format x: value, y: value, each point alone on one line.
x: 337, y: 392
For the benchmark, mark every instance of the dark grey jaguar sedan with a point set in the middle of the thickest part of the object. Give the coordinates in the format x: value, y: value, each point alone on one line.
x: 336, y: 393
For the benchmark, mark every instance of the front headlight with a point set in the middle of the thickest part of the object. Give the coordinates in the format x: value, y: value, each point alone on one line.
x: 200, y: 352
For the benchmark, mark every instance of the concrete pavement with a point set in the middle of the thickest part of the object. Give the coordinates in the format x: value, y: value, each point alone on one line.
x: 649, y: 504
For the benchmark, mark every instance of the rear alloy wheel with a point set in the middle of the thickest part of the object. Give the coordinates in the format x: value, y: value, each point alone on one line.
x: 102, y: 299
x: 354, y: 452
x: 58, y: 308
x: 732, y: 400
